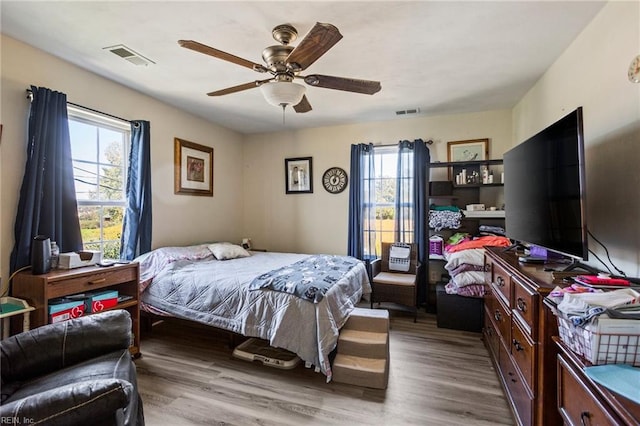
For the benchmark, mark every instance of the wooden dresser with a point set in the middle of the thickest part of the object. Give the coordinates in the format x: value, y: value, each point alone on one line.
x: 39, y: 289
x: 518, y: 331
x: 584, y: 402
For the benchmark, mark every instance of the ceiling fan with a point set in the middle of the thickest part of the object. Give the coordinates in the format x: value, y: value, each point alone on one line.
x: 285, y: 63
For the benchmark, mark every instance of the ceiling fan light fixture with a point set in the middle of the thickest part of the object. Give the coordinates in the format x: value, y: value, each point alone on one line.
x: 282, y: 93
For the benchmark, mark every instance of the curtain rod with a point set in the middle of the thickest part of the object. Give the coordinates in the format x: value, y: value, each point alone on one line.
x: 30, y: 97
x: 429, y: 142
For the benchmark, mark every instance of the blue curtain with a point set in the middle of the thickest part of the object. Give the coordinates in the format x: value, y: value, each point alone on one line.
x: 405, y: 209
x: 136, y: 227
x: 47, y: 204
x: 421, y: 161
x: 362, y: 244
x: 411, y: 203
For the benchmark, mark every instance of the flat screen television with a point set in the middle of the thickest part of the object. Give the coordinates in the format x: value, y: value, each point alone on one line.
x: 544, y: 189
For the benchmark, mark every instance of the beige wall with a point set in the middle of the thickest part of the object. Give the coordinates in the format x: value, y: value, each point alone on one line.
x: 592, y: 73
x: 253, y: 203
x: 317, y: 223
x: 177, y: 219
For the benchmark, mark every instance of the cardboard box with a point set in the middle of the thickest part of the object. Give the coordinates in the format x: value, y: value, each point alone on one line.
x: 100, y: 300
x: 63, y: 309
x: 475, y: 207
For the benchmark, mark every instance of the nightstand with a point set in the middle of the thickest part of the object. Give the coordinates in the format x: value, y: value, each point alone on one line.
x: 39, y: 289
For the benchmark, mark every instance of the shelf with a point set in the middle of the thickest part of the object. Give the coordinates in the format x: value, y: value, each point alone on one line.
x: 466, y: 163
x: 484, y: 214
x: 444, y: 197
x: 476, y: 185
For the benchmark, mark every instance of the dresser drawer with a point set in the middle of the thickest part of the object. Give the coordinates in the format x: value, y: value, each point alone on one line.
x: 488, y: 271
x: 577, y: 404
x: 501, y: 282
x: 517, y: 390
x: 523, y: 352
x: 500, y: 315
x: 525, y: 305
x: 87, y: 282
x: 490, y: 331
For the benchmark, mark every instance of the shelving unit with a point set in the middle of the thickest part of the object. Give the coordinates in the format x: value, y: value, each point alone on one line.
x: 490, y: 194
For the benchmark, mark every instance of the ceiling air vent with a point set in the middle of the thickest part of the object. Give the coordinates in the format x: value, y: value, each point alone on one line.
x: 408, y: 111
x: 126, y: 53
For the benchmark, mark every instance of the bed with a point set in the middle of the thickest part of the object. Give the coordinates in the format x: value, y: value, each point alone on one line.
x: 232, y: 293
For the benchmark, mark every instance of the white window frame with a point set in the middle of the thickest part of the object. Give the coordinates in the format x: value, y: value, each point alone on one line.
x: 92, y: 118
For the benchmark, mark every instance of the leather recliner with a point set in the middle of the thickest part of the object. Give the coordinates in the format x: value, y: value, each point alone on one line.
x: 76, y: 372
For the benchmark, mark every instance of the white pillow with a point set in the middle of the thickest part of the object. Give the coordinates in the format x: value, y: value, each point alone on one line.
x: 224, y: 251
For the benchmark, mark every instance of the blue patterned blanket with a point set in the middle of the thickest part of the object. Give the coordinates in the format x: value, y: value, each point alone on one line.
x: 309, y: 279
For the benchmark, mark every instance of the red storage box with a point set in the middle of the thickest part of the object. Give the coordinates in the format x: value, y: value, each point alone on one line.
x: 63, y: 309
x: 100, y: 300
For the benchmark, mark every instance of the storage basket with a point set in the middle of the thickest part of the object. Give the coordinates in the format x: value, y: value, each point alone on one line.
x: 607, y: 341
x: 436, y: 247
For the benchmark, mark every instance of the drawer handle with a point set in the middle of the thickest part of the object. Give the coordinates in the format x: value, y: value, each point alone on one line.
x: 517, y: 345
x: 522, y: 305
x: 98, y: 281
x: 585, y: 418
x: 497, y: 315
x: 487, y: 267
x: 500, y: 281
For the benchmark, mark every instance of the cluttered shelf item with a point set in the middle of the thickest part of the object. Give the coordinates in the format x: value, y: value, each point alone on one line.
x: 226, y: 287
x: 599, y: 351
x: 602, y: 326
x: 460, y: 300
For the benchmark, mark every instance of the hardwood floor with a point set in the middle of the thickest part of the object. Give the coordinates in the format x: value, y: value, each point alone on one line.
x: 187, y: 376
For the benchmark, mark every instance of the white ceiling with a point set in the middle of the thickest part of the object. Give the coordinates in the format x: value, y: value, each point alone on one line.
x: 443, y: 57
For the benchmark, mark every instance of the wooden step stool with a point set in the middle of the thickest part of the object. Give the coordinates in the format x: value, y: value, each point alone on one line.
x: 362, y: 358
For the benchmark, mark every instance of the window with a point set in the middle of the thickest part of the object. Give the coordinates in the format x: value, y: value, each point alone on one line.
x: 99, y: 147
x: 384, y: 177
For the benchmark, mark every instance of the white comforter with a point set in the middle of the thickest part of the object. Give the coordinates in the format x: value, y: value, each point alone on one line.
x: 197, y: 287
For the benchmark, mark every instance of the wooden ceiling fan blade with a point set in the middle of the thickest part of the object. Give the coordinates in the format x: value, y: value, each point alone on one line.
x: 239, y: 88
x: 303, y: 105
x: 367, y: 87
x: 316, y: 43
x: 207, y: 50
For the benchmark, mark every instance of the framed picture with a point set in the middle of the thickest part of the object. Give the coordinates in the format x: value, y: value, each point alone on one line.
x: 471, y: 150
x: 193, y: 168
x: 298, y: 174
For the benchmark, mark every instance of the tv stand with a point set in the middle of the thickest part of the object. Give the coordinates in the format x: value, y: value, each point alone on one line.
x: 579, y: 265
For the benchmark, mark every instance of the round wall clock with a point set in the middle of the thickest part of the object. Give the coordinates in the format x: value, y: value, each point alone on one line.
x: 335, y: 180
x: 634, y: 70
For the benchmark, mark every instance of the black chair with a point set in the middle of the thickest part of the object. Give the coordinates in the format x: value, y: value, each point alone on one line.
x: 76, y: 372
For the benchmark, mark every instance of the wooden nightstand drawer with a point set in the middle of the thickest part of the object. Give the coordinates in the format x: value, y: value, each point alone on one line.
x: 87, y: 282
